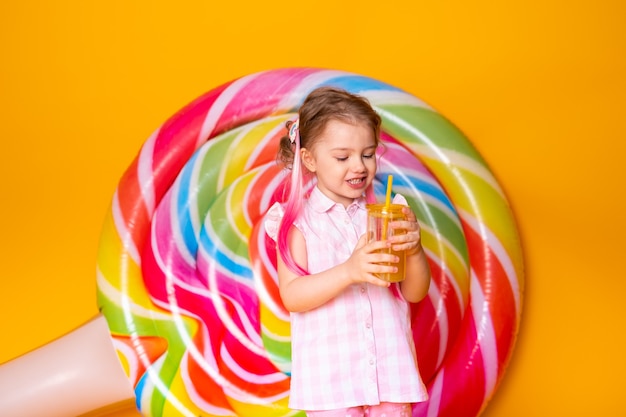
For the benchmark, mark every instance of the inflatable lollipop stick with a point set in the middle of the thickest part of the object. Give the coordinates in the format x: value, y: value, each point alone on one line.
x: 70, y: 376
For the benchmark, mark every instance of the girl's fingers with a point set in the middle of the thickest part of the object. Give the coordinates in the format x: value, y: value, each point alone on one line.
x: 382, y: 258
x: 413, y: 236
x: 378, y: 245
x: 406, y: 225
x: 409, y: 214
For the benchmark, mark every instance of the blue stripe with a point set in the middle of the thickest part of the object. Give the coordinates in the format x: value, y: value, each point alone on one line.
x: 422, y: 186
x: 222, y: 258
x: 182, y: 206
x: 141, y: 384
x: 358, y: 83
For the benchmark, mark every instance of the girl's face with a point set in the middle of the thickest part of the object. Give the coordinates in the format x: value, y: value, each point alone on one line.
x: 343, y: 158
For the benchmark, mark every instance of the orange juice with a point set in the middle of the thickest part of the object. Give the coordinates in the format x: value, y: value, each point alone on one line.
x: 378, y: 218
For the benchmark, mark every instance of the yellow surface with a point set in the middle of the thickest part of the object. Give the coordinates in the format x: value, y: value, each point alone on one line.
x: 539, y: 87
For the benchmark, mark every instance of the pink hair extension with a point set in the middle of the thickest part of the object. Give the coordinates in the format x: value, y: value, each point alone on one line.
x: 293, y: 208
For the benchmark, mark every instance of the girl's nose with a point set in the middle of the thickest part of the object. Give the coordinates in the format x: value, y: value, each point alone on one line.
x: 358, y: 165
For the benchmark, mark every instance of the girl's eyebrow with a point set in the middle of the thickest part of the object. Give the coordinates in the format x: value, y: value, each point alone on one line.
x: 350, y: 149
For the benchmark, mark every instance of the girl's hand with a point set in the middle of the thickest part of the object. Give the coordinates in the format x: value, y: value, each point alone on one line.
x: 411, y: 240
x: 365, y: 261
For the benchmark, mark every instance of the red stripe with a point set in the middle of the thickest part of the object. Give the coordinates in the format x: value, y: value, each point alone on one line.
x: 464, y: 376
x: 426, y: 338
x: 133, y: 209
x: 497, y: 292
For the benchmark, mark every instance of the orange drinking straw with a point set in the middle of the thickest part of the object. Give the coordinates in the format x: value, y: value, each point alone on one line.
x: 387, y: 203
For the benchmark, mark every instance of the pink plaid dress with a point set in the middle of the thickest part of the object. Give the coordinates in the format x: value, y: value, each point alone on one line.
x: 357, y: 349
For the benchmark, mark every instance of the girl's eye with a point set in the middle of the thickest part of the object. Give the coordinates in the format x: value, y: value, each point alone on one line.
x: 342, y: 159
x: 368, y: 156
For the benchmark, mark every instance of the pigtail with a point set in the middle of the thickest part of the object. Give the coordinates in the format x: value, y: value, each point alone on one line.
x: 295, y: 201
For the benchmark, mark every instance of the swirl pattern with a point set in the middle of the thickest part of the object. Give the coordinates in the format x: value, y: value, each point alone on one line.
x: 186, y: 276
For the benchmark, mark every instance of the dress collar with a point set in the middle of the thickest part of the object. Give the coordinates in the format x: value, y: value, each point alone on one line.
x: 321, y: 203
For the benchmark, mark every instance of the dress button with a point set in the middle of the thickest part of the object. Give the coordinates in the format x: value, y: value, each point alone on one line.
x: 368, y: 325
x: 362, y: 289
x: 371, y: 361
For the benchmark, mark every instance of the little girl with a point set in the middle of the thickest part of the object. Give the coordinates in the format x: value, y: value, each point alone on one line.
x: 352, y: 345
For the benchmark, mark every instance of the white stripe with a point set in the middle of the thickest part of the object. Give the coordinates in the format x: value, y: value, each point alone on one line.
x: 434, y: 402
x: 145, y: 174
x: 131, y: 357
x: 217, y: 108
x: 485, y: 335
x: 442, y: 321
x: 174, y: 224
x: 393, y: 97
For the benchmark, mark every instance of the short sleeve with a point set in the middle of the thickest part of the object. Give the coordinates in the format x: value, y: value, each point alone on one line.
x: 272, y: 220
x: 399, y: 199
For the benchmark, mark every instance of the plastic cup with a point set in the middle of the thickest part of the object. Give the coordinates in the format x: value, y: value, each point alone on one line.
x: 378, y: 218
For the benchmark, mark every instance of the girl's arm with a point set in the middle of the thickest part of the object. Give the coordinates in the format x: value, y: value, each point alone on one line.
x: 415, y: 286
x: 302, y: 293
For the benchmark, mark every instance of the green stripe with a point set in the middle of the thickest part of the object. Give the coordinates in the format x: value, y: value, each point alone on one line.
x: 410, y: 124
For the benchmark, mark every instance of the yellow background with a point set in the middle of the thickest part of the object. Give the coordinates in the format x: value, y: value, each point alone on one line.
x: 539, y: 87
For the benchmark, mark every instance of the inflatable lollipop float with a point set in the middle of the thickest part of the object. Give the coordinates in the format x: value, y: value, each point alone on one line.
x: 193, y: 324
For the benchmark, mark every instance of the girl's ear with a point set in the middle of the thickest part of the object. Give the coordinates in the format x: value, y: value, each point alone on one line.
x: 307, y: 159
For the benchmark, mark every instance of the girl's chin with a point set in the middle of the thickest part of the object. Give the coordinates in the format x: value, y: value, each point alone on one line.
x: 355, y: 193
